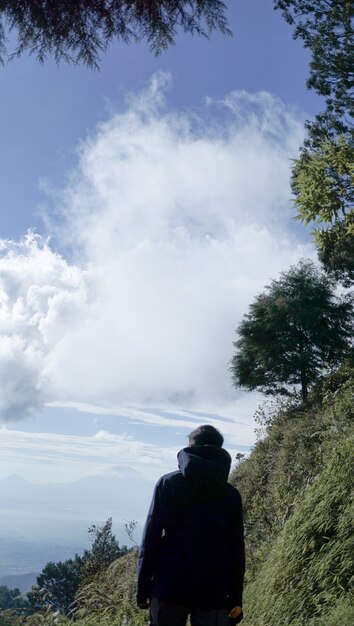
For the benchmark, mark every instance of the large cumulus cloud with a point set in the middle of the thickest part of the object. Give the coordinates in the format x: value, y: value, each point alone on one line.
x: 42, y: 299
x: 174, y: 221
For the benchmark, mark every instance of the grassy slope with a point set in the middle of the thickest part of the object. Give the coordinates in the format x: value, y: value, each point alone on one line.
x: 297, y: 490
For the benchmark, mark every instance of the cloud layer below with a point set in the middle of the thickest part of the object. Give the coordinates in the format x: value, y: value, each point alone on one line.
x: 173, y: 221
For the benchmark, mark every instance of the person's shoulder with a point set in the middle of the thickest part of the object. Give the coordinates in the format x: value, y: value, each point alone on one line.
x: 169, y: 484
x: 170, y: 478
x: 172, y: 475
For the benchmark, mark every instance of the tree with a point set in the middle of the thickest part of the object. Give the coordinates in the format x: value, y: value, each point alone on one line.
x: 295, y: 332
x: 57, y: 585
x: 322, y: 178
x: 326, y: 29
x: 104, y: 550
x: 323, y: 184
x: 7, y: 618
x: 11, y: 598
x: 80, y: 31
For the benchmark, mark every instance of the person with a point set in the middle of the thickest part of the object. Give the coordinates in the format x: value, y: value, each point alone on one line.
x: 192, y: 559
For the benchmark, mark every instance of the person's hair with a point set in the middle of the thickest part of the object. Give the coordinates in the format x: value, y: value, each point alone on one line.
x: 206, y: 435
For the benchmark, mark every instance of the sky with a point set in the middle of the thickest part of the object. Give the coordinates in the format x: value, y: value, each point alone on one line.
x: 143, y: 207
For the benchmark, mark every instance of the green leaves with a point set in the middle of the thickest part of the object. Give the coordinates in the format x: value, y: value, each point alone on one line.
x: 58, y: 584
x: 323, y: 185
x: 104, y: 550
x: 323, y: 176
x: 295, y: 332
x: 326, y: 29
x: 80, y: 31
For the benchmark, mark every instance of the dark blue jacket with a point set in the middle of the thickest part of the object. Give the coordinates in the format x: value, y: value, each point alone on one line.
x: 192, y: 550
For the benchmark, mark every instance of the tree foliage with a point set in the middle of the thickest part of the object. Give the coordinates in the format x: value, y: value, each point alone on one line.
x: 323, y: 185
x: 59, y: 583
x: 11, y: 598
x: 326, y: 29
x: 108, y: 600
x: 80, y: 31
x: 104, y: 550
x: 322, y: 179
x: 296, y: 331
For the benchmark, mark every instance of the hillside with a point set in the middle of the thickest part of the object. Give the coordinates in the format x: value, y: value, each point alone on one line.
x: 23, y: 582
x: 297, y: 492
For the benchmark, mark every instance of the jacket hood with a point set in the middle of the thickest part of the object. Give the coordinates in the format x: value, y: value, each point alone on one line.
x: 209, y: 464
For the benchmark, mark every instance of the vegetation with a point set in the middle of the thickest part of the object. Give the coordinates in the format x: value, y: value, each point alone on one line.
x: 297, y: 482
x: 323, y: 184
x: 80, y: 31
x: 296, y: 331
x: 326, y: 30
x: 104, y: 550
x: 12, y: 604
x: 306, y: 577
x: 322, y: 179
x: 108, y: 600
x: 59, y: 583
x: 298, y: 502
x: 11, y: 598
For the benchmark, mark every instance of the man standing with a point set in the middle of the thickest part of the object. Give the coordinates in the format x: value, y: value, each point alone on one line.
x: 192, y: 555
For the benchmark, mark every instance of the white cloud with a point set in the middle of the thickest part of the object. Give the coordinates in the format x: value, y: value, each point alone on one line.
x: 176, y: 221
x: 234, y: 420
x: 42, y: 297
x: 47, y: 457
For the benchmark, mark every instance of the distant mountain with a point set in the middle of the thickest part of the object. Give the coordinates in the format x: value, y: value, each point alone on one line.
x: 91, y: 499
x: 23, y: 582
x: 41, y: 522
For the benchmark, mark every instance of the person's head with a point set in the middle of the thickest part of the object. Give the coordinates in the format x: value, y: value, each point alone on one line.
x: 206, y: 436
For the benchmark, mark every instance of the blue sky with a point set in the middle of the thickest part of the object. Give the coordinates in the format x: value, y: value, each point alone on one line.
x: 163, y: 187
x: 46, y: 110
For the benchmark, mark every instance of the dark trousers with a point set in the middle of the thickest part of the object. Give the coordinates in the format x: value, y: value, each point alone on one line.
x: 165, y: 614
